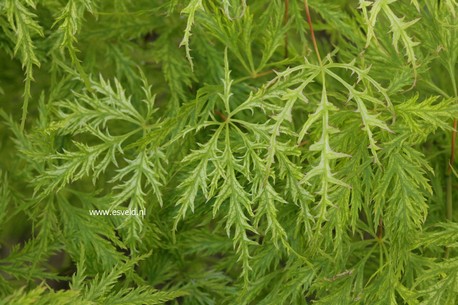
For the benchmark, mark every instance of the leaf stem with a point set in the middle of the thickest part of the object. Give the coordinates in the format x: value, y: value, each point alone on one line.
x: 312, y: 32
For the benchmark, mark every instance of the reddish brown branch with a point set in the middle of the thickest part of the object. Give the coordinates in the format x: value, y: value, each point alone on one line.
x: 303, y: 143
x: 312, y: 32
x: 380, y: 229
x: 221, y: 115
x: 285, y: 19
x: 452, y: 153
x: 263, y: 73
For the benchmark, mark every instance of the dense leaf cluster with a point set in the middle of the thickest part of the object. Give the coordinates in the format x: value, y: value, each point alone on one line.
x: 285, y: 152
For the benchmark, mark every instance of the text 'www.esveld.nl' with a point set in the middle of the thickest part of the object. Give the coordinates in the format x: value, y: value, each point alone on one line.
x: 127, y: 212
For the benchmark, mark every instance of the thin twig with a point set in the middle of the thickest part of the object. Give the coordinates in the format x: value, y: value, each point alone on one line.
x: 452, y: 153
x: 303, y: 143
x: 221, y: 115
x: 285, y: 19
x: 312, y: 32
x: 254, y: 76
x: 380, y: 229
x: 449, y: 193
x: 449, y: 173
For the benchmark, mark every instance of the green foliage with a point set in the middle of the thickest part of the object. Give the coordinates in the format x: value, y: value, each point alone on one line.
x: 265, y: 173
